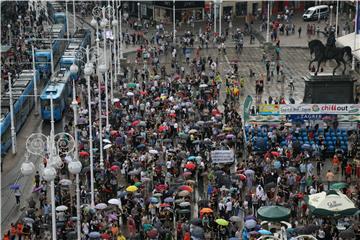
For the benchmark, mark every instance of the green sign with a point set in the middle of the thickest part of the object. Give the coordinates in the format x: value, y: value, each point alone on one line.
x: 247, y: 104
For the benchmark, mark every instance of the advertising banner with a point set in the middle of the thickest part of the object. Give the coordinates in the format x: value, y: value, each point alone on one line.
x: 222, y: 156
x: 291, y: 109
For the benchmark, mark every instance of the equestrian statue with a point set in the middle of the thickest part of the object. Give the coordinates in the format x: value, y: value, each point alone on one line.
x: 329, y: 52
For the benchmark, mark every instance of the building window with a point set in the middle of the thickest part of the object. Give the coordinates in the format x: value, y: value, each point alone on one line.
x: 241, y: 9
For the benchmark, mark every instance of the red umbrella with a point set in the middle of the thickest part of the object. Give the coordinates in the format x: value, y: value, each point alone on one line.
x: 135, y: 123
x: 275, y: 154
x: 152, y: 233
x: 105, y: 236
x: 190, y: 166
x: 114, y: 133
x: 165, y: 205
x: 242, y: 177
x: 185, y: 188
x: 84, y: 154
x: 186, y: 174
x: 161, y: 187
x: 172, y: 115
x: 143, y: 93
x: 162, y: 128
x: 114, y: 168
x: 215, y: 112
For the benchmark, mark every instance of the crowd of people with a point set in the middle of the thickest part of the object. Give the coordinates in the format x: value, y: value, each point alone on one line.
x: 154, y: 177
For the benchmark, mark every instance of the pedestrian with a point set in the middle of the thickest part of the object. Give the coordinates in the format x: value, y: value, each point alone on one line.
x: 17, y: 194
x: 299, y: 31
x: 37, y: 179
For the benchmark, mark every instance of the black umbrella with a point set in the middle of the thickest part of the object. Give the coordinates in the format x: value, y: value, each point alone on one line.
x: 269, y: 185
x: 197, y: 232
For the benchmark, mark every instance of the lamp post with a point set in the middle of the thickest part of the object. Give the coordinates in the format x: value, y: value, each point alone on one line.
x: 174, y: 23
x: 331, y: 8
x: 268, y: 22
x: 35, y: 80
x: 355, y: 34
x: 67, y: 21
x: 214, y: 17
x: 74, y: 15
x: 138, y: 4
x: 319, y: 16
x: 337, y: 18
x: 10, y: 37
x: 220, y: 11
x: 12, y: 127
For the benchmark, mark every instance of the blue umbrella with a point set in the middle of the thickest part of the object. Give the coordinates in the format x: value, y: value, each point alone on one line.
x: 15, y: 186
x: 191, y: 158
x: 94, y: 235
x: 154, y: 200
x: 306, y: 146
x: 140, y: 146
x: 277, y: 164
x: 265, y: 232
x: 234, y: 238
x: 169, y: 200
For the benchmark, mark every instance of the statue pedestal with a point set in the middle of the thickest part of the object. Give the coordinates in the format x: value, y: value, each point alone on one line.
x: 326, y: 88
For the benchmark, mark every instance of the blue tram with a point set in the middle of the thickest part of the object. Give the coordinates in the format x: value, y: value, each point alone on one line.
x: 59, y: 89
x: 23, y: 100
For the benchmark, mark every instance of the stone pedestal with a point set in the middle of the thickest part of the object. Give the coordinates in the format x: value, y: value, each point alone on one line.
x: 326, y: 88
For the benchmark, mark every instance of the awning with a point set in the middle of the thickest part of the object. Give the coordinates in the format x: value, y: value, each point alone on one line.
x: 348, y: 40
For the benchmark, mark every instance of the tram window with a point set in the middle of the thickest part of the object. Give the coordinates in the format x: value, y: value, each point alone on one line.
x: 42, y: 59
x: 45, y: 104
x: 6, y: 135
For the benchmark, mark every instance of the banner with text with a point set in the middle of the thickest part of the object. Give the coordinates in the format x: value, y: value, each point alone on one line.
x: 222, y: 156
x: 289, y: 109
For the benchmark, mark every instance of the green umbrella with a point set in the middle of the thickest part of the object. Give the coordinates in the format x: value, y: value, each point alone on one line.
x: 274, y: 213
x: 339, y: 185
x: 147, y: 227
x: 131, y: 85
x: 183, y: 135
x: 138, y: 184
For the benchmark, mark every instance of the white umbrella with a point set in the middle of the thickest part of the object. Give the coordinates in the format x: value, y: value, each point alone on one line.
x: 288, y: 124
x: 65, y: 182
x: 153, y: 151
x: 107, y: 146
x: 116, y: 100
x: 101, y: 206
x: 61, y: 208
x: 331, y: 203
x: 203, y: 85
x: 114, y: 201
x: 184, y: 204
x: 193, y: 131
x: 130, y: 94
x: 106, y: 140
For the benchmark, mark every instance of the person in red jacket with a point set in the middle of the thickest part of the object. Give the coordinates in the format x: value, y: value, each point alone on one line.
x: 348, y: 172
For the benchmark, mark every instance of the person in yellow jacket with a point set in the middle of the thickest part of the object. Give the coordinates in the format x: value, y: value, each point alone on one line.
x: 121, y: 237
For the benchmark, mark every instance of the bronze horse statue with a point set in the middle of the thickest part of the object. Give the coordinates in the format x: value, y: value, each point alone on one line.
x: 324, y: 53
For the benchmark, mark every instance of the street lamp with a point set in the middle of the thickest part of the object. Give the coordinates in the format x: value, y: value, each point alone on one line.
x: 138, y: 4
x: 331, y: 8
x: 10, y: 38
x: 337, y: 18
x: 67, y: 21
x: 214, y: 17
x: 12, y: 116
x: 268, y: 22
x: 319, y: 16
x: 174, y: 23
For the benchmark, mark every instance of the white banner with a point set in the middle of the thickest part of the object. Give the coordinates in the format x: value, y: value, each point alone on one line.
x: 222, y: 156
x: 287, y: 109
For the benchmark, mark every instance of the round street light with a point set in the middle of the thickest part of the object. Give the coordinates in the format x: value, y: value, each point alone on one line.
x: 88, y: 71
x: 49, y: 174
x: 104, y: 22
x: 93, y: 22
x: 74, y: 167
x: 74, y: 68
x: 27, y: 168
x: 102, y: 68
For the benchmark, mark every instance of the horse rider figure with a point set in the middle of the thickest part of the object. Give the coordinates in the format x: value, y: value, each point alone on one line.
x: 330, y: 43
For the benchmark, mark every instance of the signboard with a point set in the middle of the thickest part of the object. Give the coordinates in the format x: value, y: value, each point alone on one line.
x: 180, y: 4
x: 302, y: 117
x: 222, y: 156
x: 290, y: 109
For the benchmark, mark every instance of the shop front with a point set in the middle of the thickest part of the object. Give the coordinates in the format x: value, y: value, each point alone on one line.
x: 184, y: 11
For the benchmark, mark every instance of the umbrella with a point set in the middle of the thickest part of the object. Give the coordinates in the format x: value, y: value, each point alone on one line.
x: 147, y: 227
x: 331, y: 203
x: 190, y: 166
x: 162, y: 128
x: 154, y: 200
x: 234, y: 238
x: 186, y: 174
x: 339, y: 185
x: 169, y: 200
x: 203, y: 85
x: 94, y: 234
x: 192, y: 131
x: 152, y: 233
x: 157, y: 194
x: 153, y: 151
x: 106, y: 140
x: 273, y: 213
x: 165, y: 205
x: 183, y: 193
x: 186, y: 188
x: 183, y: 135
x: 264, y: 232
x: 135, y: 123
x: 242, y: 177
x: 137, y: 184
x: 161, y: 187
x: 107, y: 146
x: 14, y: 186
x: 275, y: 154
x: 269, y: 185
x: 105, y: 236
x: 230, y: 136
x: 142, y: 124
x: 132, y: 188
x: 114, y: 201
x: 130, y: 94
x: 292, y: 169
x: 235, y: 219
x: 100, y: 206
x: 65, y: 182
x: 28, y: 220
x: 197, y: 232
x: 222, y: 222
x: 249, y: 217
x: 206, y: 210
x: 84, y: 154
x: 114, y: 168
x: 251, y: 223
x: 183, y: 211
x: 131, y: 85
x: 184, y: 204
x: 140, y: 146
x: 288, y: 124
x: 191, y: 158
x: 61, y: 208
